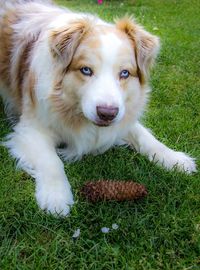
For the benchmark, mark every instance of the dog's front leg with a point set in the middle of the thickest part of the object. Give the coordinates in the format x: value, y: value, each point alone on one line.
x: 34, y: 149
x: 145, y: 143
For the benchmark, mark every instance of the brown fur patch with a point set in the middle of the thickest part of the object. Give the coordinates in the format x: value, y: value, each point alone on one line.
x: 66, y: 104
x: 86, y: 54
x: 83, y: 56
x: 92, y: 43
x: 23, y: 66
x: 128, y: 26
x: 145, y: 46
x: 14, y: 78
x: 6, y: 45
x: 65, y: 41
x: 68, y: 109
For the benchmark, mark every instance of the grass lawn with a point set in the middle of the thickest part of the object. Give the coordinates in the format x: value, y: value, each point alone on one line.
x: 159, y: 232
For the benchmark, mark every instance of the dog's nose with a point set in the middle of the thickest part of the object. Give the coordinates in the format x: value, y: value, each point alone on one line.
x: 107, y: 113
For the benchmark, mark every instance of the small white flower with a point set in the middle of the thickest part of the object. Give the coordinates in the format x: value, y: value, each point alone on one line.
x: 105, y: 230
x: 115, y: 226
x: 76, y: 233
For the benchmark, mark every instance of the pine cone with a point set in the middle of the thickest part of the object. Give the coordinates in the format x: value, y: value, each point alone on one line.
x: 108, y: 190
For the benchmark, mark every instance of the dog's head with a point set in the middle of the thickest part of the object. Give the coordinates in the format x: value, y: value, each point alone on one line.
x: 105, y: 69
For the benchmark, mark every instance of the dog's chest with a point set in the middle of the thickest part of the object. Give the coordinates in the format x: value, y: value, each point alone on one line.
x: 90, y: 139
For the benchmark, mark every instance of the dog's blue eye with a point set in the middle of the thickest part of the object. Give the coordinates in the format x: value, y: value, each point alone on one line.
x: 86, y: 71
x: 124, y: 74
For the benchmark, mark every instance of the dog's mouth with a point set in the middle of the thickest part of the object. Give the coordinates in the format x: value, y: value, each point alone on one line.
x: 101, y: 123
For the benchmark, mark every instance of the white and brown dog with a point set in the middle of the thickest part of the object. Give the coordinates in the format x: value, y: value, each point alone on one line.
x: 73, y: 78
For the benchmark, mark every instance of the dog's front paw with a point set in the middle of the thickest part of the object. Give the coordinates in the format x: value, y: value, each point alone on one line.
x: 178, y: 160
x: 55, y: 199
x: 184, y: 162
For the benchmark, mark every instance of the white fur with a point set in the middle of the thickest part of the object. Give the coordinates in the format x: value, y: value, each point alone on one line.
x: 35, y: 152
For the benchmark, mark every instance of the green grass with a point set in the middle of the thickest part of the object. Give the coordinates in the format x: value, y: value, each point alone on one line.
x: 159, y: 232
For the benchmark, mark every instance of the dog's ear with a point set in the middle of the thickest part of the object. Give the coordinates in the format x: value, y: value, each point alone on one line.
x: 145, y: 44
x: 65, y: 40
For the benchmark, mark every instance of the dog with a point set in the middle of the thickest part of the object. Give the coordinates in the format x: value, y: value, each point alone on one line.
x: 73, y: 78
